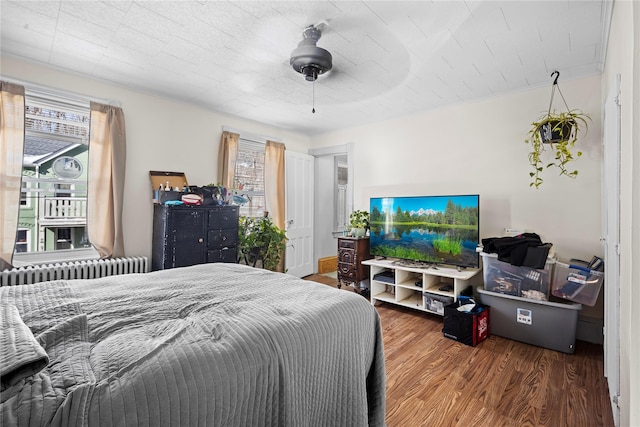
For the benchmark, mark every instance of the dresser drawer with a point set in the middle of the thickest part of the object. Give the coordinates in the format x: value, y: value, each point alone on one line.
x: 347, y: 244
x: 346, y: 270
x: 223, y: 255
x: 222, y: 238
x: 346, y: 256
x: 223, y: 217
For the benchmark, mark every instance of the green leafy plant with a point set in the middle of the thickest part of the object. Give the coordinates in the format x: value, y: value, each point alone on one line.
x: 561, y: 131
x: 260, y: 242
x: 359, y: 219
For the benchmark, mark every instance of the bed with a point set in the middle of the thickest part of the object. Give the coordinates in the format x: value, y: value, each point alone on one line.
x: 207, y: 345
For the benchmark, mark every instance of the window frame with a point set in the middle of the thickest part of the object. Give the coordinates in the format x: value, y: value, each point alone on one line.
x: 341, y: 194
x: 248, y: 209
x: 25, y: 201
x: 27, y: 241
x: 45, y: 100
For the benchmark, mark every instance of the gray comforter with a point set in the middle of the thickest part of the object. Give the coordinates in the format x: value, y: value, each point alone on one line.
x: 208, y: 345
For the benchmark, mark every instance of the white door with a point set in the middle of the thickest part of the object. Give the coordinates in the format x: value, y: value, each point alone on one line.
x: 299, y: 213
x: 611, y: 240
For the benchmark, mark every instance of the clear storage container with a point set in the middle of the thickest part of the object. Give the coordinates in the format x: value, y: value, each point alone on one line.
x: 525, y: 282
x: 436, y: 303
x: 576, y: 283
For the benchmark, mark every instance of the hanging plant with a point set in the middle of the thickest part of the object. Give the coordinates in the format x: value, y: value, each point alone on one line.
x: 560, y: 130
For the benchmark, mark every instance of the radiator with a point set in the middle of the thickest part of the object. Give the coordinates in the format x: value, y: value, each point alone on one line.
x: 88, y: 269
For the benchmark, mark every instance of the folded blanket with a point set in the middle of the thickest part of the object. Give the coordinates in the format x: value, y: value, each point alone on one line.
x: 22, y: 355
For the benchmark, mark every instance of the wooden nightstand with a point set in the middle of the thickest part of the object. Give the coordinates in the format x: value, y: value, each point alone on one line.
x: 351, y: 252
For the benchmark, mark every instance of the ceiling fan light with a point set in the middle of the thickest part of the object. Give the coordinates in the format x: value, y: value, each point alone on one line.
x: 311, y: 56
x: 310, y: 73
x: 309, y: 59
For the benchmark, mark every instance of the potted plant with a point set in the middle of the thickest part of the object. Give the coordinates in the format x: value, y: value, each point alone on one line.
x: 359, y: 221
x: 260, y: 242
x: 560, y: 131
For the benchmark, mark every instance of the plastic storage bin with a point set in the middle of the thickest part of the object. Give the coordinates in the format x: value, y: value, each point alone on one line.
x: 576, y: 283
x: 436, y: 303
x: 546, y: 324
x: 526, y: 282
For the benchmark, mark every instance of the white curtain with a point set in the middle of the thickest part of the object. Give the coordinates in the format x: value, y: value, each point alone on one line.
x: 107, y: 160
x: 11, y: 154
x: 227, y: 155
x: 274, y: 185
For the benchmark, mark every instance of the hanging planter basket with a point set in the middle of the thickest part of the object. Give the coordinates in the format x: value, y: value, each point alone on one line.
x: 560, y: 131
x: 553, y: 131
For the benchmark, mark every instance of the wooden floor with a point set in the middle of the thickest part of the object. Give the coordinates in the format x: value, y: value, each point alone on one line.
x: 435, y: 381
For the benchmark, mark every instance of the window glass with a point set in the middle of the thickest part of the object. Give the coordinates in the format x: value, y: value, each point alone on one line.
x: 341, y: 215
x: 22, y: 241
x: 25, y: 196
x: 249, y: 178
x: 63, y: 238
x: 53, y: 200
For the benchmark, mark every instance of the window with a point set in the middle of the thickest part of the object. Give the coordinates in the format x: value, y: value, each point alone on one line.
x: 62, y: 190
x: 22, y: 241
x: 249, y: 178
x: 25, y: 195
x: 341, y: 213
x: 54, y: 175
x: 63, y: 238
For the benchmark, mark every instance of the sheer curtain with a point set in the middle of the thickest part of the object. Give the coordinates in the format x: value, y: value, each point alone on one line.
x: 107, y: 159
x: 11, y: 152
x: 274, y: 182
x: 227, y: 156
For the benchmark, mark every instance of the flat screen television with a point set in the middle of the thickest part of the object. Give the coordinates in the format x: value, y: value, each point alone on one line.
x: 426, y: 229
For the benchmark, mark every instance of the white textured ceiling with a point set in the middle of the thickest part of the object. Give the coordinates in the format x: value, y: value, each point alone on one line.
x: 390, y: 58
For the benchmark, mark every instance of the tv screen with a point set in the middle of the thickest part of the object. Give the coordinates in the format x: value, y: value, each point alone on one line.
x: 428, y: 229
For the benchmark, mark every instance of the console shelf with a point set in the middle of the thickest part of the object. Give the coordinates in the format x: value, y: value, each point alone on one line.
x: 418, y: 287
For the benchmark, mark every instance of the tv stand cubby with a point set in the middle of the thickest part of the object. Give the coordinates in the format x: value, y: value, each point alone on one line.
x: 404, y: 283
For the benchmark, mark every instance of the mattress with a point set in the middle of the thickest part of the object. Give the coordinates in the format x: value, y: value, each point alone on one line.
x: 210, y: 345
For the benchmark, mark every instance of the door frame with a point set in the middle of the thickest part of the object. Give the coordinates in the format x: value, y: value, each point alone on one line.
x: 320, y: 236
x: 611, y: 243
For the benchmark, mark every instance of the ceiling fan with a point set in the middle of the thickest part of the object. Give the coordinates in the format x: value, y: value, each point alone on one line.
x: 308, y: 59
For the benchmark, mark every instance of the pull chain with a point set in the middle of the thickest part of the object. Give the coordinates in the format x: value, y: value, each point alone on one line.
x: 313, y: 98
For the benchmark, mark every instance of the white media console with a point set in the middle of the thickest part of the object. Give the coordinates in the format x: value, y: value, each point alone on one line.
x: 417, y: 286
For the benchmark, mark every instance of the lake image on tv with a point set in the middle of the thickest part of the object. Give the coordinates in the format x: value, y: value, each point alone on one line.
x: 435, y: 229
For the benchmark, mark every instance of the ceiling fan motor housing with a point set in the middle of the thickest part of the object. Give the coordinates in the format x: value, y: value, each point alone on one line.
x: 309, y: 59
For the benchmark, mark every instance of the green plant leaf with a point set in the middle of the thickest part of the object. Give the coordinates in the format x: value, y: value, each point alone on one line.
x: 561, y: 151
x: 260, y: 241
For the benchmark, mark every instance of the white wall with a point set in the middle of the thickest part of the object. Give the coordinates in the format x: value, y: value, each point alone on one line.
x: 623, y: 58
x: 161, y: 135
x: 479, y: 148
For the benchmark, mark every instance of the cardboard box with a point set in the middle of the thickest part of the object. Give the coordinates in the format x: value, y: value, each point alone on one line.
x: 467, y: 328
x: 327, y: 264
x: 174, y: 179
